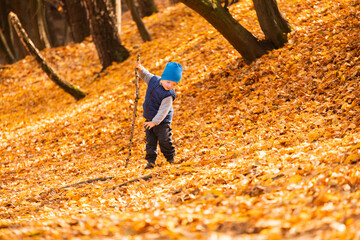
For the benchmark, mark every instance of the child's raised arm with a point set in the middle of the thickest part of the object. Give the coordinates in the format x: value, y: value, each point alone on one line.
x: 138, y: 66
x: 143, y: 73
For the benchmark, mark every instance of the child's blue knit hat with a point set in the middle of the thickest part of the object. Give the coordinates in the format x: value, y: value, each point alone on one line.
x: 172, y: 72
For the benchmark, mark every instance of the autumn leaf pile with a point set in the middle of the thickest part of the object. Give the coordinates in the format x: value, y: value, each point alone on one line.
x: 269, y: 150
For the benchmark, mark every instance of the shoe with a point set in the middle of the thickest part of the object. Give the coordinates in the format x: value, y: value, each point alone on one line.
x: 171, y: 161
x: 149, y: 165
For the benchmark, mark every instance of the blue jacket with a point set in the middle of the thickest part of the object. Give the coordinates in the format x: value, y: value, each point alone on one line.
x: 155, y: 93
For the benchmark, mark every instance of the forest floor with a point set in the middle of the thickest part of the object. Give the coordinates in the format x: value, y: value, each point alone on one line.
x: 269, y: 150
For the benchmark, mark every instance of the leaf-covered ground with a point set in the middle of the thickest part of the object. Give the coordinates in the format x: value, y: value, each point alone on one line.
x: 265, y: 151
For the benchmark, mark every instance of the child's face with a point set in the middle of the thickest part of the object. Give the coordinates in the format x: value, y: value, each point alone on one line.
x: 168, y: 85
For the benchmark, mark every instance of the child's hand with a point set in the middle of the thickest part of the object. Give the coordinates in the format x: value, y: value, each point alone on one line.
x: 138, y: 65
x: 149, y: 125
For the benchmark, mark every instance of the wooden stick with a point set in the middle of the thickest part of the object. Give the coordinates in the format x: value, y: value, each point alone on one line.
x: 88, y: 181
x: 73, y: 90
x: 145, y: 177
x: 134, y: 114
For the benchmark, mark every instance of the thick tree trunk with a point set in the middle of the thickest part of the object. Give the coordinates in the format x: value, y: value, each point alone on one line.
x: 281, y: 21
x: 104, y: 33
x: 76, y: 17
x: 114, y: 7
x: 272, y: 23
x: 139, y: 23
x: 147, y: 7
x: 240, y: 38
x: 29, y: 45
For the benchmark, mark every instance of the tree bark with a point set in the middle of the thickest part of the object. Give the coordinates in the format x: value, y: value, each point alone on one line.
x: 4, y: 47
x: 281, y: 21
x: 29, y: 45
x: 41, y: 23
x: 76, y: 18
x: 272, y: 23
x: 114, y: 7
x: 104, y: 33
x: 6, y: 44
x: 31, y: 24
x: 240, y: 38
x: 139, y: 23
x: 118, y: 15
x: 20, y: 8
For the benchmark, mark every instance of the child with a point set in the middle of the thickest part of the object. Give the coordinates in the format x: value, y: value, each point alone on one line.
x: 158, y: 110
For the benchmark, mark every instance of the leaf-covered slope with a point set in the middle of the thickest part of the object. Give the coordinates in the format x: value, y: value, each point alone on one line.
x: 269, y: 150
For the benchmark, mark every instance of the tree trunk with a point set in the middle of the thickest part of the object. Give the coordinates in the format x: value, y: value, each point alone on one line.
x: 272, y: 23
x: 147, y: 7
x: 241, y: 39
x: 41, y: 22
x: 29, y: 45
x: 114, y: 7
x: 6, y: 44
x: 118, y: 15
x: 32, y: 24
x: 281, y: 21
x: 76, y: 18
x: 57, y: 23
x: 104, y: 33
x: 5, y: 49
x: 139, y: 23
x: 19, y: 7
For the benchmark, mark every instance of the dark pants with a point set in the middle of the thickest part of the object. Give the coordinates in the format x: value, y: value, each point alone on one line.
x: 160, y: 133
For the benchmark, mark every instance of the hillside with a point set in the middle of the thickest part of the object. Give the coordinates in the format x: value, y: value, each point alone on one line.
x: 269, y: 150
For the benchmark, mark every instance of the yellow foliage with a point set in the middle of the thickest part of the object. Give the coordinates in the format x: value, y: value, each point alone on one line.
x: 264, y: 151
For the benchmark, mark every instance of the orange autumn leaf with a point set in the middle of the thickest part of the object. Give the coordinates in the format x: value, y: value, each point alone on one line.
x: 264, y: 151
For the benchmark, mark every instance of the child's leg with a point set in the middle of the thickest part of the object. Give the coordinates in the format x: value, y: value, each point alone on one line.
x: 151, y: 146
x: 164, y: 135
